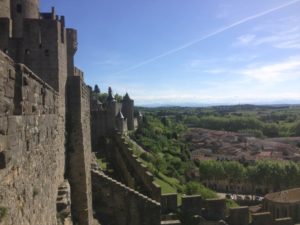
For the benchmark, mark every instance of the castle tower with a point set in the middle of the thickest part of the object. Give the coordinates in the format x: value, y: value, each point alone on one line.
x: 5, y: 24
x: 128, y: 111
x: 121, y: 123
x: 20, y: 10
x: 71, y: 49
x: 111, y: 106
x: 4, y: 8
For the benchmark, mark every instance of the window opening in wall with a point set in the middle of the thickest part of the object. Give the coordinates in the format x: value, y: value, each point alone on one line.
x: 285, y: 213
x: 40, y: 38
x: 25, y: 81
x: 27, y: 145
x: 33, y: 108
x: 19, y: 8
x: 47, y: 52
x: 43, y: 93
x: 2, y: 160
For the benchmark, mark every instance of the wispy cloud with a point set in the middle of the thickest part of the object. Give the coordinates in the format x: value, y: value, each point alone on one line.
x: 245, y: 39
x: 284, y: 34
x: 212, y: 34
x: 224, y: 11
x: 276, y: 72
x: 267, y: 73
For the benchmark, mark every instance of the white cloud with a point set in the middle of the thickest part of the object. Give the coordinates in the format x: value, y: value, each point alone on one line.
x: 283, y: 33
x: 245, y: 39
x: 273, y: 73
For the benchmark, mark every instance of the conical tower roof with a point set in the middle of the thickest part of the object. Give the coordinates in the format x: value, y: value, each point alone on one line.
x: 126, y: 97
x: 110, y: 97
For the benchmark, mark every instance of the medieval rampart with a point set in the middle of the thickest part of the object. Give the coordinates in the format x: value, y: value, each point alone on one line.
x: 79, y: 149
x: 138, y: 171
x: 126, y: 206
x: 31, y: 146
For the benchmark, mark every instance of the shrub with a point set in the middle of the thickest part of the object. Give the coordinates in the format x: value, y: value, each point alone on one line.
x: 193, y: 188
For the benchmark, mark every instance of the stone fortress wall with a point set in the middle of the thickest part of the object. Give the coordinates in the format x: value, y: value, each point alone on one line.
x: 79, y: 149
x: 44, y: 163
x: 126, y: 206
x: 195, y: 210
x: 134, y: 172
x: 32, y: 146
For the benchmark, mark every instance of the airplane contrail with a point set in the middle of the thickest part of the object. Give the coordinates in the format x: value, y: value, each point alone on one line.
x: 221, y: 30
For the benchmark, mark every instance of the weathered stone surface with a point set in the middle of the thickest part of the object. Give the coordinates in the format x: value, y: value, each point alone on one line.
x: 79, y: 150
x: 63, y: 204
x: 262, y: 219
x: 215, y: 209
x: 31, y: 148
x: 191, y: 206
x: 168, y: 203
x: 239, y: 216
x: 114, y: 203
x: 132, y: 170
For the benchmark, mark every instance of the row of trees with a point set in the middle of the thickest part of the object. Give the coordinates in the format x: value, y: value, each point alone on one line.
x: 276, y: 174
x: 102, y: 96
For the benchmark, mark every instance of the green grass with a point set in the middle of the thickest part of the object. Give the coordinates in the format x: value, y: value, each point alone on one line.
x: 165, y: 187
x: 171, y: 181
x: 102, y: 164
x: 231, y: 204
x: 196, y: 188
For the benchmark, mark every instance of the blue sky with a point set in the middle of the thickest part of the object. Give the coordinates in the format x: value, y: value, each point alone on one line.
x: 196, y: 51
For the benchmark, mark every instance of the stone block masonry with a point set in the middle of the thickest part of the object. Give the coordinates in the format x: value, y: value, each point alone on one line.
x: 168, y: 203
x: 7, y: 85
x: 239, y: 216
x: 191, y: 206
x: 116, y: 204
x: 262, y: 219
x: 37, y: 150
x: 31, y: 146
x: 133, y: 166
x: 79, y: 150
x: 284, y: 221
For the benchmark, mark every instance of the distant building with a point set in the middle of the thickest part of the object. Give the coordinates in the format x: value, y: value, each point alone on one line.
x: 284, y: 204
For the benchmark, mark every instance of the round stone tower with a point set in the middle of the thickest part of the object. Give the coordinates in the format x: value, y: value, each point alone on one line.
x: 4, y: 8
x: 23, y: 9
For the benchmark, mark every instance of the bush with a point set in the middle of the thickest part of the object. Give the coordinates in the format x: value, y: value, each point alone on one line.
x: 193, y: 188
x: 146, y: 157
